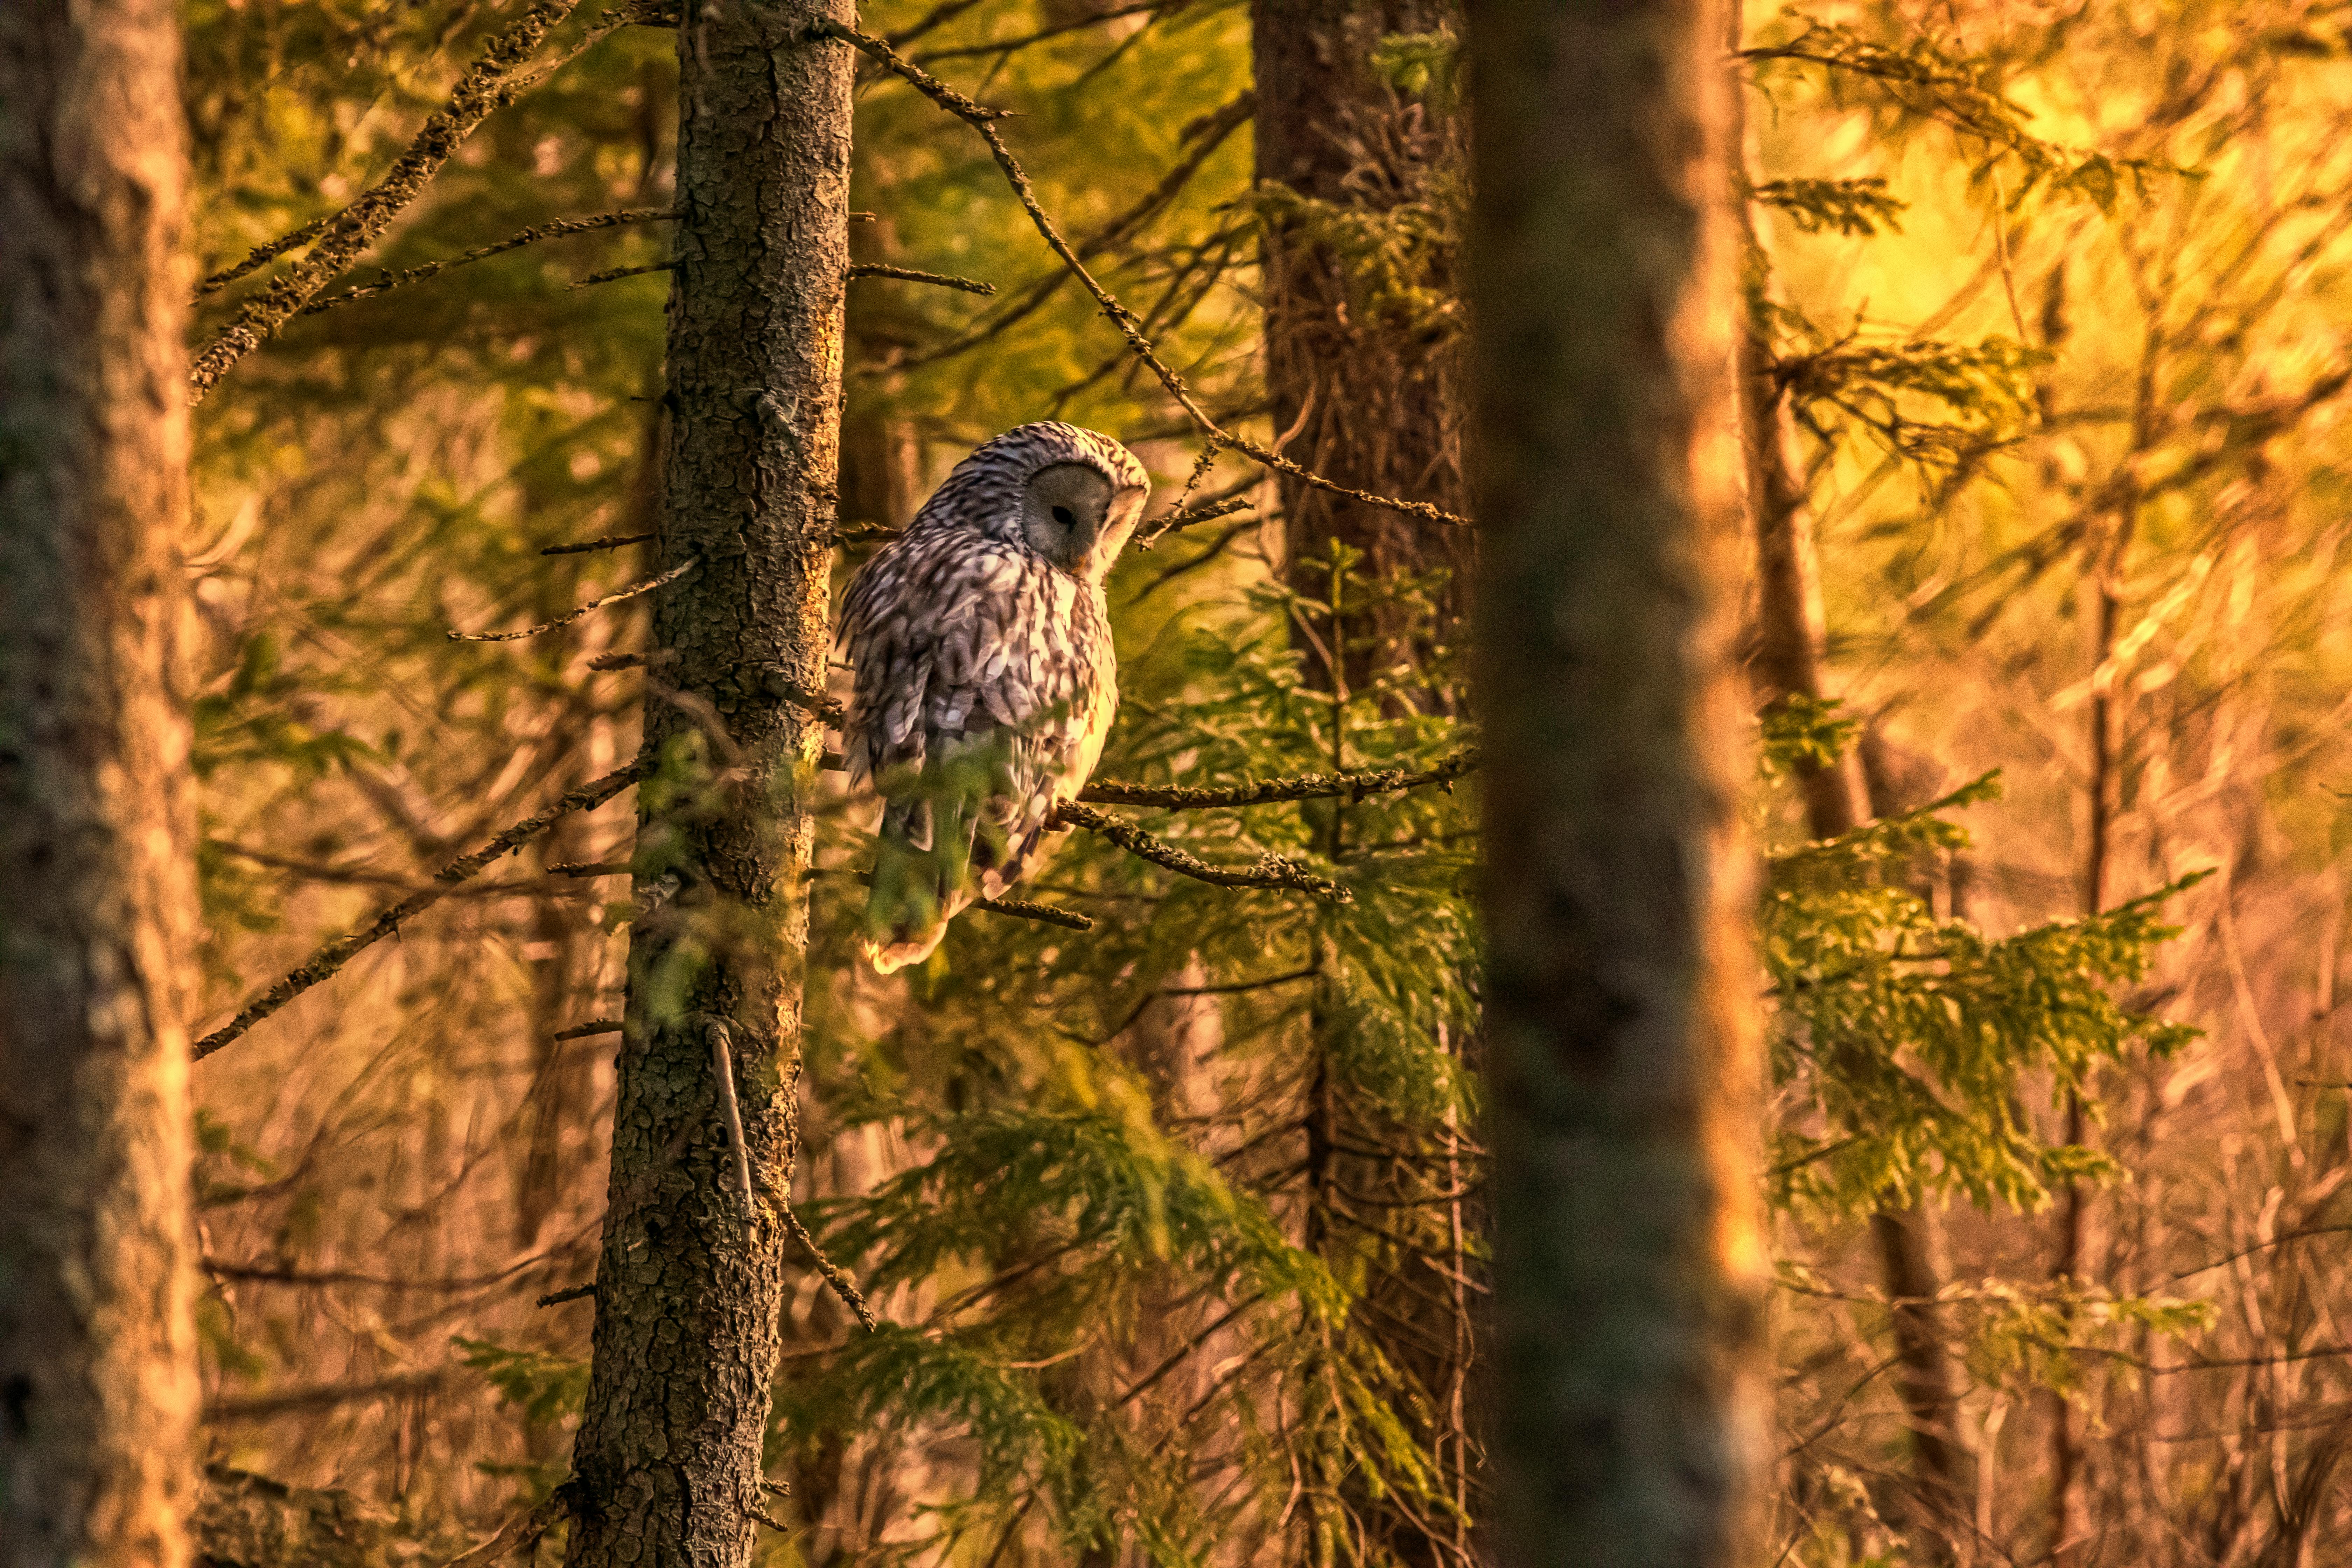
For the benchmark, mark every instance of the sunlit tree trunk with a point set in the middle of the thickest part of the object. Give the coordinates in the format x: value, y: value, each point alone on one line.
x: 668, y: 1464
x: 1785, y: 662
x: 1632, y: 1411
x: 98, y: 1375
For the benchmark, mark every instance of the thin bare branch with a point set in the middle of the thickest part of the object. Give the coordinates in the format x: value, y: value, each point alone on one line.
x: 1266, y: 792
x: 329, y: 961
x: 618, y: 272
x: 1270, y: 871
x: 560, y: 229
x: 594, y: 1027
x: 908, y: 275
x: 485, y: 87
x: 610, y: 542
x: 983, y: 119
x: 645, y: 586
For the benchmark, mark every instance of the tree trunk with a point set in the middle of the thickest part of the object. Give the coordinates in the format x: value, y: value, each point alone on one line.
x: 667, y: 1468
x: 1785, y: 661
x: 1621, y: 1030
x: 97, y: 1373
x: 1370, y: 398
x: 1365, y: 390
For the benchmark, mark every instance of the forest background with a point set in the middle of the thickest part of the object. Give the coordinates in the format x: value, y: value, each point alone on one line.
x: 1173, y: 1224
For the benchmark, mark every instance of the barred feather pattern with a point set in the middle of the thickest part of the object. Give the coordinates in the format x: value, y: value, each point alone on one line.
x: 967, y: 641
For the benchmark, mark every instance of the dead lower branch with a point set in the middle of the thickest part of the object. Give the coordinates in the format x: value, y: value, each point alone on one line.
x: 1270, y: 871
x: 908, y: 275
x: 487, y: 85
x: 329, y: 961
x: 646, y: 585
x: 1266, y: 792
x: 609, y: 541
x: 983, y: 119
x: 560, y: 229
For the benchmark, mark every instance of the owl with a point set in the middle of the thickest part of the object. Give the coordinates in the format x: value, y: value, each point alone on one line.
x: 985, y: 680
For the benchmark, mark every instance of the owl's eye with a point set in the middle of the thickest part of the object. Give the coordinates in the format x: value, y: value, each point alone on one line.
x: 1062, y: 516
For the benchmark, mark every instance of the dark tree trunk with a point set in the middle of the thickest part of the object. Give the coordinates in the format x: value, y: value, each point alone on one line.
x: 97, y: 1373
x: 1365, y: 385
x: 1367, y: 390
x: 1632, y: 1411
x: 668, y: 1464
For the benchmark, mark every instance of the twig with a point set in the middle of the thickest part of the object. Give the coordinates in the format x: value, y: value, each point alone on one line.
x: 262, y: 255
x: 1021, y: 909
x: 840, y: 1283
x: 591, y: 1027
x: 646, y: 585
x: 610, y: 542
x: 1018, y: 909
x: 560, y: 229
x: 330, y: 959
x: 569, y: 1293
x: 982, y: 119
x: 776, y: 683
x: 1209, y: 132
x: 482, y: 88
x: 1188, y: 517
x: 518, y: 1534
x: 1271, y: 870
x: 722, y: 1063
x: 632, y: 660
x: 589, y: 868
x: 908, y: 275
x: 621, y: 273
x: 1265, y: 792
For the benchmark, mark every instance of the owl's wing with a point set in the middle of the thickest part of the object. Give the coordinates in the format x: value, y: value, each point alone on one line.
x: 990, y: 674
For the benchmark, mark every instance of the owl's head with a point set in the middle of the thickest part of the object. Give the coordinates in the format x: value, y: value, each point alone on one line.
x: 1067, y: 495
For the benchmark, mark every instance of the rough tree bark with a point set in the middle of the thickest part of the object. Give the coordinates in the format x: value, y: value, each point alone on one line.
x: 1631, y: 1408
x: 667, y: 1468
x: 98, y: 1377
x: 1374, y: 402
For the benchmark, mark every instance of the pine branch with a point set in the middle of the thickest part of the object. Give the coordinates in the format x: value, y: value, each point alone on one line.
x: 485, y: 87
x: 560, y: 229
x: 982, y: 119
x: 592, y: 1027
x: 1266, y: 792
x: 1271, y: 870
x: 645, y: 586
x: 330, y: 959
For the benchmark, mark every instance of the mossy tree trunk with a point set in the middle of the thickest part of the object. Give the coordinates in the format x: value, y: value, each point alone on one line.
x: 667, y: 1468
x: 1631, y: 1415
x: 98, y: 1372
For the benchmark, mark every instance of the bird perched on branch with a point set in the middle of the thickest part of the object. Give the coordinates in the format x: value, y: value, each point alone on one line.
x: 985, y: 677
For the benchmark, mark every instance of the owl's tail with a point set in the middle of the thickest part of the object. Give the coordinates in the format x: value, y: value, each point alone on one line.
x: 922, y: 876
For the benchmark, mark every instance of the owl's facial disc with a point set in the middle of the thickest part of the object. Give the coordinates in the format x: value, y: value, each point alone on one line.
x: 1072, y: 516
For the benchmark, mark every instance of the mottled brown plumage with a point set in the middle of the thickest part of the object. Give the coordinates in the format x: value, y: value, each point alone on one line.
x: 985, y: 677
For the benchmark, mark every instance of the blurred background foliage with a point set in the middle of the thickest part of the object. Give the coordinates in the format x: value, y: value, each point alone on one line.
x: 1174, y: 1225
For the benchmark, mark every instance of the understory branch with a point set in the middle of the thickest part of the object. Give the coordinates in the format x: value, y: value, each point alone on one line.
x: 325, y: 963
x: 983, y: 119
x: 486, y: 86
x: 1270, y: 871
x: 1266, y: 792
